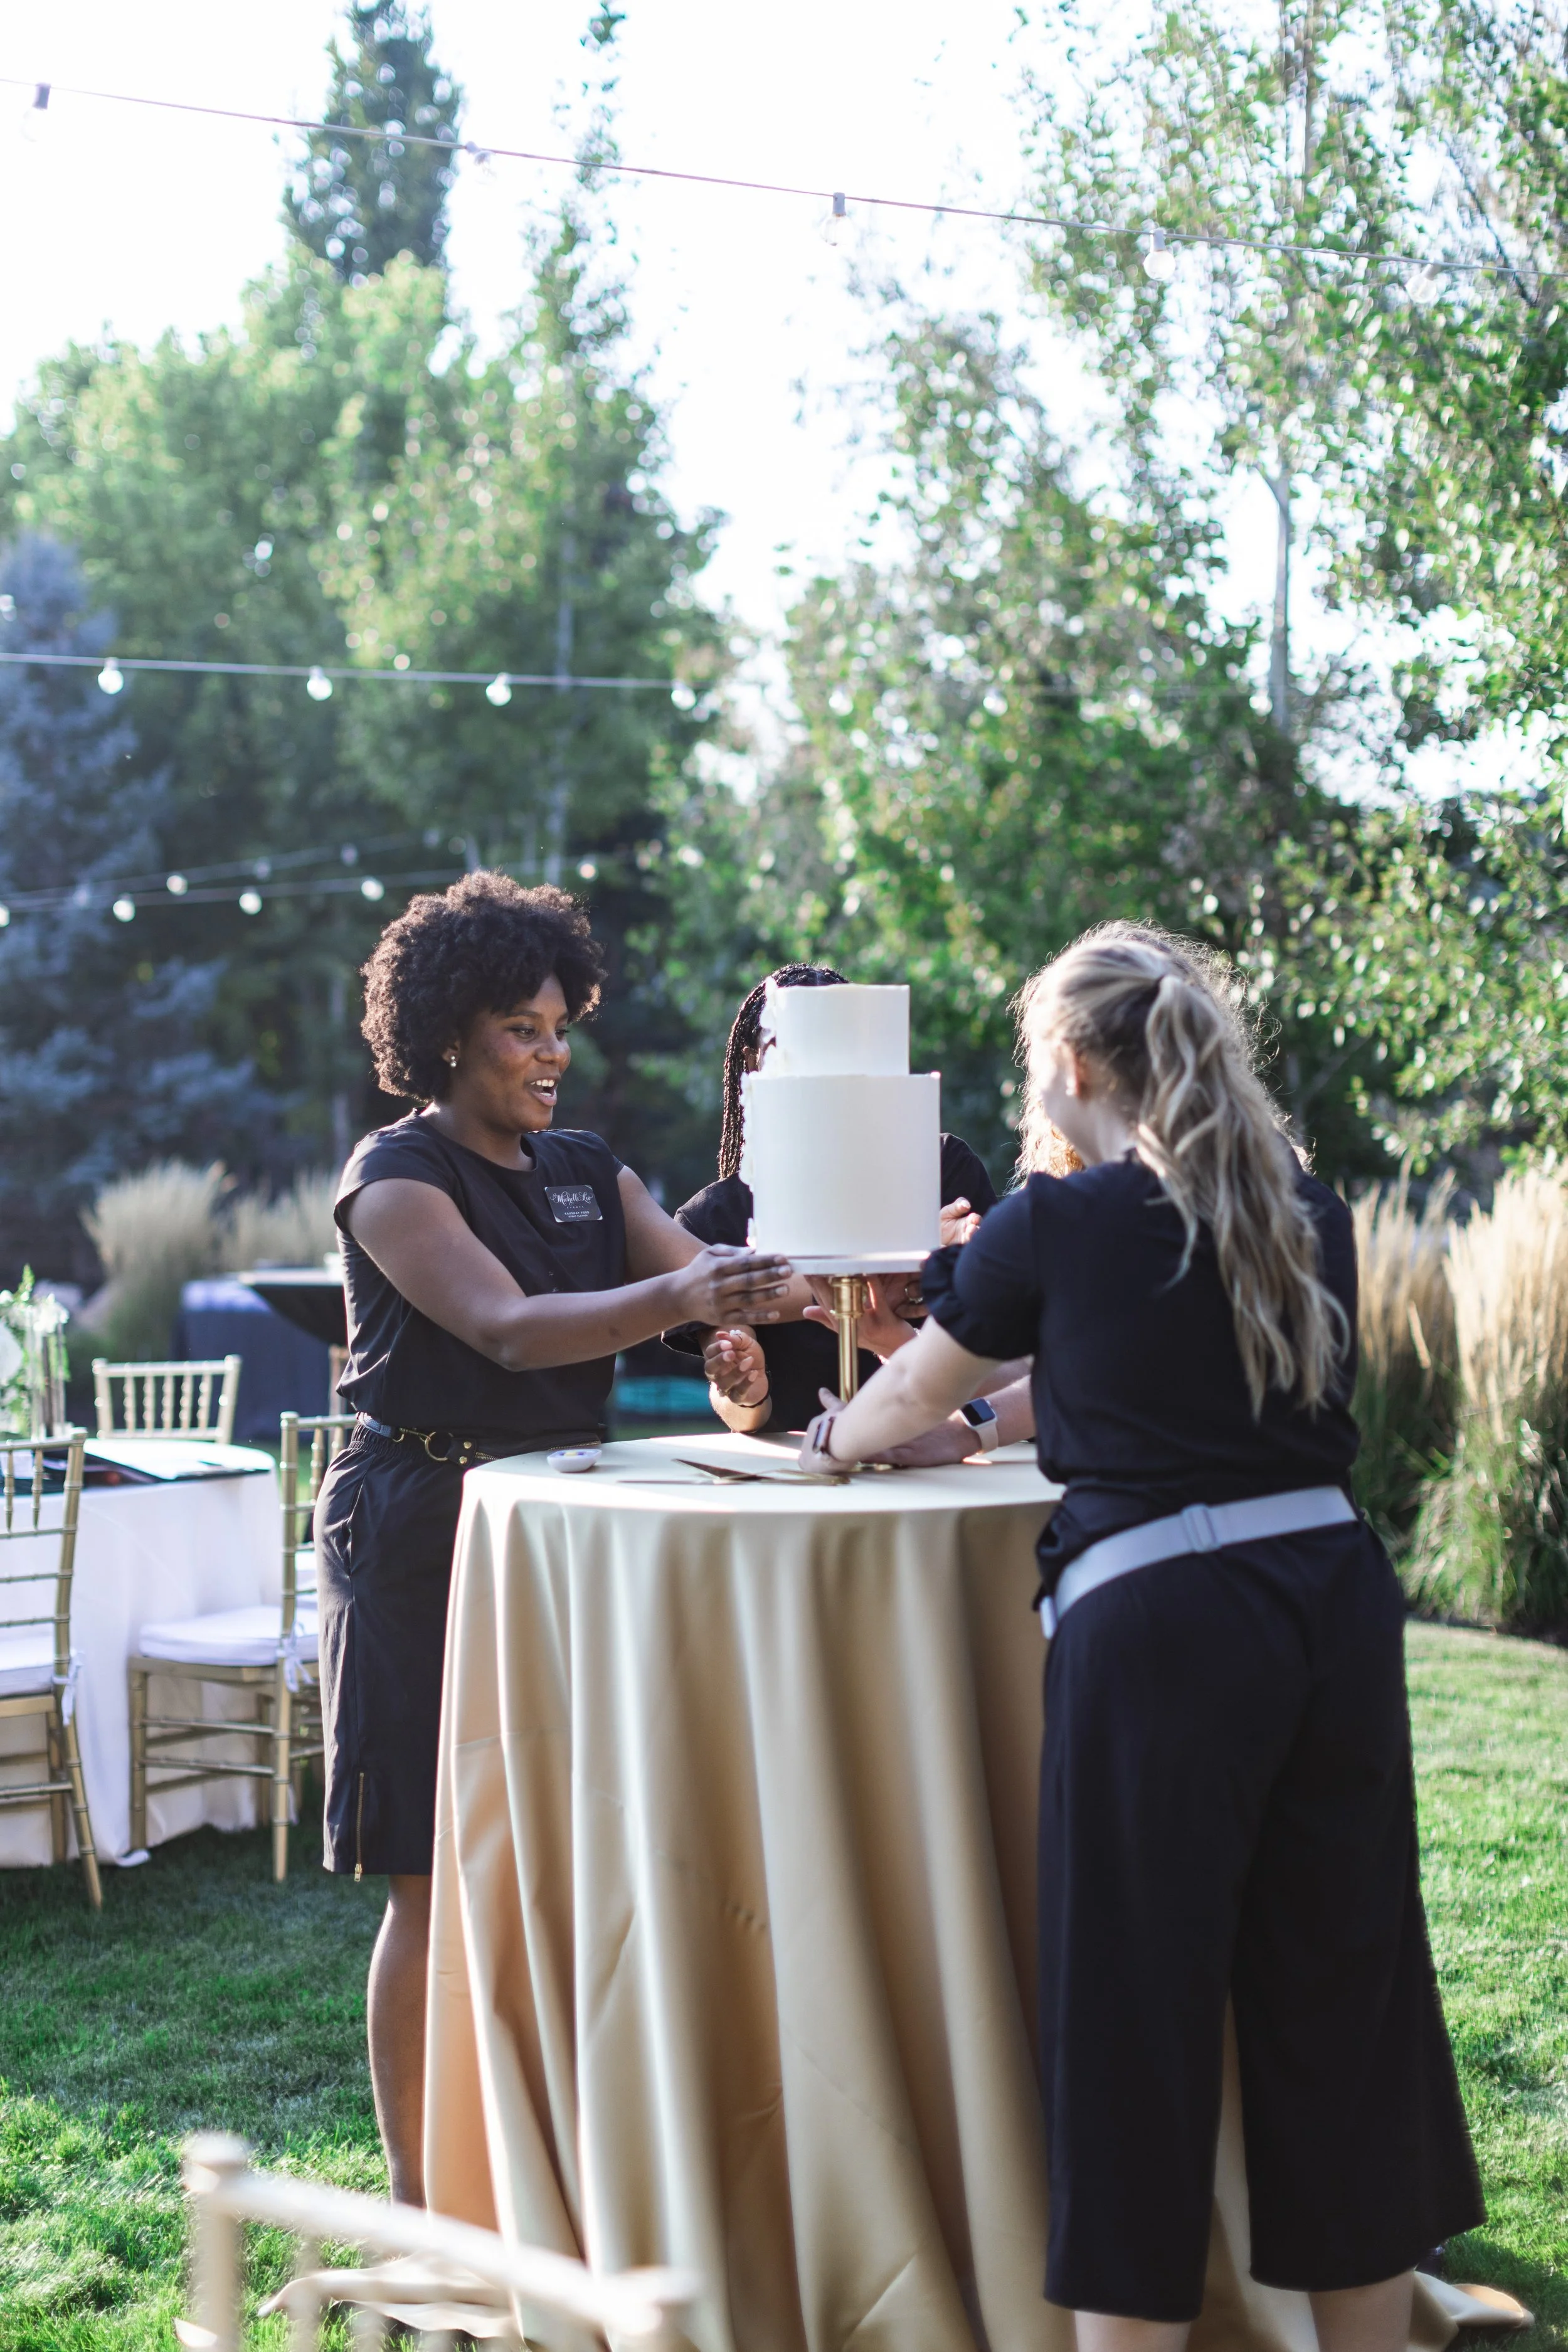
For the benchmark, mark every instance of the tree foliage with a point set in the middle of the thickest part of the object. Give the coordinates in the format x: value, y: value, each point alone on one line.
x: 104, y: 1058
x: 358, y: 202
x: 1029, y: 720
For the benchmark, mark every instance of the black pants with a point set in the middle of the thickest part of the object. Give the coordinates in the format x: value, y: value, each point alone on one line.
x: 1228, y: 1809
x: 385, y: 1520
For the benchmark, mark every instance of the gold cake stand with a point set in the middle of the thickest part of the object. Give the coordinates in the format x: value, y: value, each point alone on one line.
x: 849, y: 1290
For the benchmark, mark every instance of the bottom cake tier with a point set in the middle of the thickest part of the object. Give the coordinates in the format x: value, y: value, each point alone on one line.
x: 847, y: 1170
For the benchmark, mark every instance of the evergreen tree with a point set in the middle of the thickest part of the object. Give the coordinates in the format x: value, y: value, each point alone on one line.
x: 103, y: 1062
x: 360, y: 201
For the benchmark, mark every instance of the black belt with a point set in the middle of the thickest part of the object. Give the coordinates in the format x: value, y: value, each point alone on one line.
x: 447, y: 1445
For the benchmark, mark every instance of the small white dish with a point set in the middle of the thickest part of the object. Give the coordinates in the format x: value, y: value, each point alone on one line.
x: 571, y: 1459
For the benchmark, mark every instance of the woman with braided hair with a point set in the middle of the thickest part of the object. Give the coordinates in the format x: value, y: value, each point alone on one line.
x: 772, y: 1379
x: 1226, y: 1796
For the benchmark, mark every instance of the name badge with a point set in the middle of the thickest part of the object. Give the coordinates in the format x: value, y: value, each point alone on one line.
x: 574, y: 1205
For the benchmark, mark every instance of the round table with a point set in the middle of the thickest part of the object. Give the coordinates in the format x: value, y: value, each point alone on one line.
x: 732, y: 1949
x: 200, y: 1530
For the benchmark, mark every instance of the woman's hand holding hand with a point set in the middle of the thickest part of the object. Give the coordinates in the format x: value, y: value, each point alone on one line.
x: 721, y: 1285
x: 959, y: 1221
x: 734, y: 1363
x: 884, y: 1327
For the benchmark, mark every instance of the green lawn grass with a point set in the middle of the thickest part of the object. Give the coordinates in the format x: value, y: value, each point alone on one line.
x: 205, y: 1996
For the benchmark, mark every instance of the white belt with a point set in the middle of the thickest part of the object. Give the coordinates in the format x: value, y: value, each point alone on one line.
x: 1199, y: 1528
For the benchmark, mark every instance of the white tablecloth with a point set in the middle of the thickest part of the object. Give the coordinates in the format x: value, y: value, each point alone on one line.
x: 178, y: 1548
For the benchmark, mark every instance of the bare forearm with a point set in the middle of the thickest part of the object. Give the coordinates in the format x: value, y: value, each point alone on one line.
x: 913, y: 1390
x: 573, y: 1327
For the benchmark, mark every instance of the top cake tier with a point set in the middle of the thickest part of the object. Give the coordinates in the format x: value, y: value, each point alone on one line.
x: 825, y: 1033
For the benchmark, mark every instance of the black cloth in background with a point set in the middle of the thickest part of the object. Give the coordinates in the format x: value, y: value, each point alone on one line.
x: 1141, y: 1404
x: 281, y: 1368
x: 803, y: 1357
x: 557, y: 1226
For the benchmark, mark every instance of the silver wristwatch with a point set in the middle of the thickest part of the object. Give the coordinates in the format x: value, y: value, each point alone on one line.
x: 982, y: 1419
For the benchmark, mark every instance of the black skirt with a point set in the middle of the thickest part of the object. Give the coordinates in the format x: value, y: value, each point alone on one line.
x: 386, y: 1521
x: 1227, y: 1812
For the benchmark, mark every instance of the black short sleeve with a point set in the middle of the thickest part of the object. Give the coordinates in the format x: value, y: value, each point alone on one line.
x: 986, y: 1294
x: 409, y: 1151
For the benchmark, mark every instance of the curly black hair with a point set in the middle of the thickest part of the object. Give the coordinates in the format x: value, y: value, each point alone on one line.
x: 482, y: 946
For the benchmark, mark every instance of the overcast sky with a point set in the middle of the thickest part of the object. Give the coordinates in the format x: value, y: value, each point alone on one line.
x: 138, y: 220
x: 141, y: 220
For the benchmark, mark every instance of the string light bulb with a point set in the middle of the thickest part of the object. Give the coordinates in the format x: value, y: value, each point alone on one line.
x: 250, y: 902
x: 499, y: 691
x: 36, y: 113
x: 5, y: 917
x: 370, y: 888
x: 682, y: 697
x: 1425, y: 286
x: 124, y: 910
x: 319, y: 686
x: 111, y: 678
x: 1159, y: 261
x: 834, y: 227
x: 176, y: 885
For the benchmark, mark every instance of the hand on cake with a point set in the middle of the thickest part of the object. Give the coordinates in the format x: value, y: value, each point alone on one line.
x: 735, y: 1366
x: 721, y: 1285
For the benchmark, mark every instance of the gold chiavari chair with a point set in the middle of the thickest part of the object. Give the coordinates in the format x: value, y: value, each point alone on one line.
x: 445, y: 2279
x: 266, y: 1649
x: 186, y: 1399
x: 37, y: 1673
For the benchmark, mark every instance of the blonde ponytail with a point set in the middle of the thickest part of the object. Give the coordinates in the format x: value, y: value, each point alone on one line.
x: 1161, y: 1019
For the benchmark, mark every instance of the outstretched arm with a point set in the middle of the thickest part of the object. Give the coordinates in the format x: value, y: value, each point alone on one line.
x: 419, y: 1240
x: 914, y: 1390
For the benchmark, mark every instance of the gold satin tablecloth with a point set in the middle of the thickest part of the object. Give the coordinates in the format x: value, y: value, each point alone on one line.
x: 733, y: 1960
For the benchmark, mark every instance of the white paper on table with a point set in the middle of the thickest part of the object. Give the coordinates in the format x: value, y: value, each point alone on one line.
x: 178, y: 1457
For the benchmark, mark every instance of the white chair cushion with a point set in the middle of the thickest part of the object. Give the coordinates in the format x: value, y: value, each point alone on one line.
x: 26, y: 1661
x: 229, y: 1637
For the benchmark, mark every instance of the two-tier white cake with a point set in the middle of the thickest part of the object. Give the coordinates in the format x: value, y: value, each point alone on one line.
x: 843, y: 1149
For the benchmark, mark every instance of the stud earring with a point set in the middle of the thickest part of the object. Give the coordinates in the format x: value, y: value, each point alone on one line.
x: 452, y: 1061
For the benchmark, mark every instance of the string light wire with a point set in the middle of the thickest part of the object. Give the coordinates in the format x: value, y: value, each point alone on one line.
x: 1216, y: 239
x: 109, y: 667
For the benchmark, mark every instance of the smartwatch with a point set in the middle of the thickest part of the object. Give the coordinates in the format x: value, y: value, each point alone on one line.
x: 982, y: 1420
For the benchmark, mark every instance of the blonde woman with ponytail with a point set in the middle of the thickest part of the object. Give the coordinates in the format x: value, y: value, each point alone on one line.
x: 1226, y: 1806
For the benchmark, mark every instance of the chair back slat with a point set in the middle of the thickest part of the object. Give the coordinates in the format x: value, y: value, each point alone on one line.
x: 327, y: 1432
x: 195, y: 1400
x: 31, y: 1529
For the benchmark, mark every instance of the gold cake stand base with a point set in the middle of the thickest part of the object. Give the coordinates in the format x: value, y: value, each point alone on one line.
x: 851, y: 1297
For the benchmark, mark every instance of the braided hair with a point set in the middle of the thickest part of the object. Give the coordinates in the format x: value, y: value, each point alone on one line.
x: 744, y: 1038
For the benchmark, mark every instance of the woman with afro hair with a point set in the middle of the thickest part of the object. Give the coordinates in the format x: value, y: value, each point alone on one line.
x: 494, y: 1265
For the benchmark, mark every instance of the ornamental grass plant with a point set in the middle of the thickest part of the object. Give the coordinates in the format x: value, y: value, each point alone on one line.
x: 154, y: 1232
x: 1407, y: 1374
x: 1491, y: 1540
x: 170, y: 1225
x: 293, y: 1228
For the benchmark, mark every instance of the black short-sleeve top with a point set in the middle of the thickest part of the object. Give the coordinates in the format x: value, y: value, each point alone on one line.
x: 1141, y: 1402
x: 803, y: 1357
x: 558, y: 1225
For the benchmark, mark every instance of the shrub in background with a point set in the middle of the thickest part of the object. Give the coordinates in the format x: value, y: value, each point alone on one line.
x: 170, y: 1224
x: 1491, y: 1542
x: 1406, y: 1375
x: 292, y: 1228
x: 154, y: 1232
